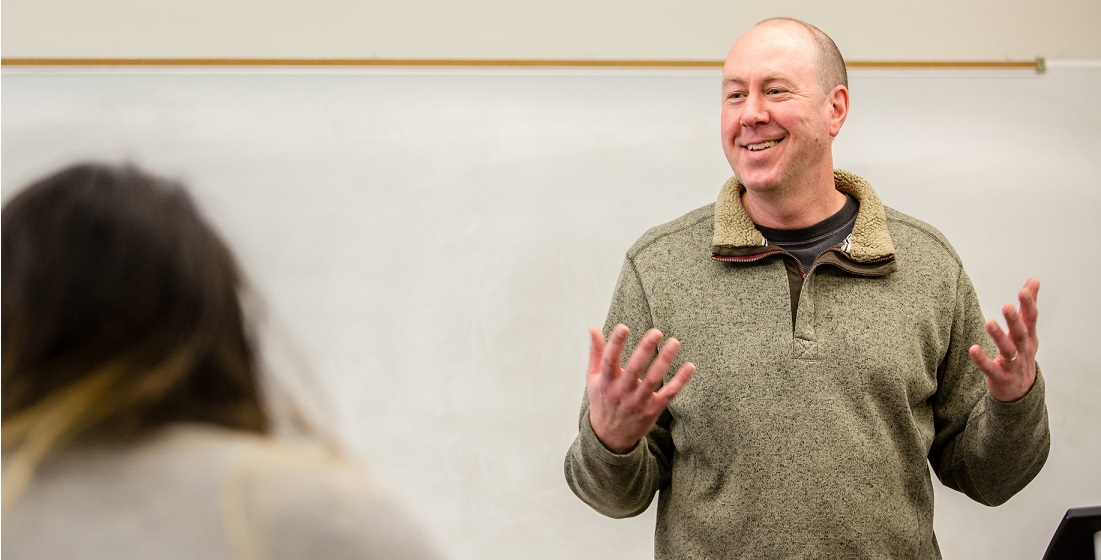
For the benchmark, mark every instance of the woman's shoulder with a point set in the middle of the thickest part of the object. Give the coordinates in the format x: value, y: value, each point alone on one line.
x: 301, y: 499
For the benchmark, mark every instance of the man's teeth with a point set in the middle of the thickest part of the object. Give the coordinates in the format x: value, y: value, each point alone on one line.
x: 762, y: 145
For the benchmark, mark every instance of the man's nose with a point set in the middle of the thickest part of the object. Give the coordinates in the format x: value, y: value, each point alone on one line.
x: 754, y: 112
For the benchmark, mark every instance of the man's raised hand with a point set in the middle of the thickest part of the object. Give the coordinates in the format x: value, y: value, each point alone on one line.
x: 625, y: 401
x: 1010, y: 375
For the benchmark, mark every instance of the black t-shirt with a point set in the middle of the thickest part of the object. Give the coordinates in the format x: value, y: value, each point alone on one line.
x: 810, y: 242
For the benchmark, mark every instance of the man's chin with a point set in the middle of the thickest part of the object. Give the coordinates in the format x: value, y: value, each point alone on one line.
x: 756, y: 182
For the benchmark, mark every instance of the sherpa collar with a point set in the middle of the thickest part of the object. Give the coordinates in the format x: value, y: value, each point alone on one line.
x: 870, y: 240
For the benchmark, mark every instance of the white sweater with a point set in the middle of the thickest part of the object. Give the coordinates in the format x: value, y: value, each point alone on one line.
x: 195, y: 491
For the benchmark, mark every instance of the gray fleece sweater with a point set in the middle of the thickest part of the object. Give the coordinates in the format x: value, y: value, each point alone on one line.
x: 809, y: 438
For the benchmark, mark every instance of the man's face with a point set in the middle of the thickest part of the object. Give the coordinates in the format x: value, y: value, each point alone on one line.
x: 778, y: 119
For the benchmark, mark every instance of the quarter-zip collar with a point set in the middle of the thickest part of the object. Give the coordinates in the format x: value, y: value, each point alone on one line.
x: 868, y: 251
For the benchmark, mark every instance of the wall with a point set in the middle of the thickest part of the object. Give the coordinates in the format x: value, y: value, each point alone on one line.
x: 647, y: 29
x: 429, y: 246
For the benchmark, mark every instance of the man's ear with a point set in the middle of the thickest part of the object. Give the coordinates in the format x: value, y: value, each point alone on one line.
x: 839, y: 105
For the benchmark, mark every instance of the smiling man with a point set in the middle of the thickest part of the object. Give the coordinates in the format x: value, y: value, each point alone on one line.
x: 827, y: 349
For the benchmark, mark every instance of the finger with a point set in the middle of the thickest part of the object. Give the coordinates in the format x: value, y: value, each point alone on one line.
x: 1005, y: 346
x: 613, y: 352
x: 1030, y: 311
x: 596, y: 350
x: 660, y: 366
x: 1033, y: 286
x: 1018, y: 331
x: 981, y: 360
x: 642, y: 355
x: 674, y: 386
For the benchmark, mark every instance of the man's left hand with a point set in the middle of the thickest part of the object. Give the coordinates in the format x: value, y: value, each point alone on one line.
x: 1010, y: 375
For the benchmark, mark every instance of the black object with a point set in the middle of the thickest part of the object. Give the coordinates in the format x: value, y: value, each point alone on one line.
x: 1073, y: 539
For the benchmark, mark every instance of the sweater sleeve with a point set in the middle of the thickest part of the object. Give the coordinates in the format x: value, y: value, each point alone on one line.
x: 983, y: 447
x: 613, y: 484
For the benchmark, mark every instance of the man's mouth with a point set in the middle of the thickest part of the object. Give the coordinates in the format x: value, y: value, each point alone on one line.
x: 762, y: 145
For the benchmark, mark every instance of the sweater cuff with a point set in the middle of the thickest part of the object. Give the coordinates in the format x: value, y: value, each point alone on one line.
x: 1023, y: 406
x: 591, y: 447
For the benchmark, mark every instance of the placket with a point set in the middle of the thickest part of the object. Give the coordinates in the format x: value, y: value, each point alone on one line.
x: 804, y: 344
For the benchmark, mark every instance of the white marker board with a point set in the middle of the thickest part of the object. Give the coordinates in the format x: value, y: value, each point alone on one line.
x: 433, y: 243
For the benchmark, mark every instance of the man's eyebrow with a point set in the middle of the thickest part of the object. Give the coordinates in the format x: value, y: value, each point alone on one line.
x: 738, y: 81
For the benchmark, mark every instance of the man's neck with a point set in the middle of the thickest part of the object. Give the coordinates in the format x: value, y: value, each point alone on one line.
x: 793, y: 209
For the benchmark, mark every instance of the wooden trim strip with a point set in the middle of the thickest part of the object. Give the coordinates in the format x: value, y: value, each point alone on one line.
x: 352, y: 62
x: 1036, y: 65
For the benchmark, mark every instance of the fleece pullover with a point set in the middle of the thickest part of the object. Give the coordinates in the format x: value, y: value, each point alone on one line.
x: 809, y: 436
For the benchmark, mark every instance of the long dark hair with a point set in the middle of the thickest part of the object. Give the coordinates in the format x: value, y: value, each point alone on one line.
x: 121, y: 314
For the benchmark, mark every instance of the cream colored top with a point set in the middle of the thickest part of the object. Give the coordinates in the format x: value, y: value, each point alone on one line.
x: 196, y: 491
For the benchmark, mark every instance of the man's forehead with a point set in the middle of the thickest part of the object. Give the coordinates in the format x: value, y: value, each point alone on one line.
x: 771, y: 51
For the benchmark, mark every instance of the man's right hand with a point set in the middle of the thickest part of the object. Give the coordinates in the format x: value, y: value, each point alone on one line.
x: 624, y: 403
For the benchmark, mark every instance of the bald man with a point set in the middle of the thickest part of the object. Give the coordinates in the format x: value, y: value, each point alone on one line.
x: 823, y: 350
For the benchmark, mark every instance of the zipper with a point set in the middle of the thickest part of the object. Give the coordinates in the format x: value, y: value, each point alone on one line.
x: 748, y: 258
x: 855, y: 269
x: 759, y: 256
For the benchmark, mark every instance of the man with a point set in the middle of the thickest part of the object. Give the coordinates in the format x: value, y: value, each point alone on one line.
x: 830, y: 349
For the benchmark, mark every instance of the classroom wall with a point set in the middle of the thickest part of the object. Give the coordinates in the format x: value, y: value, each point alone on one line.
x: 429, y: 246
x: 570, y: 29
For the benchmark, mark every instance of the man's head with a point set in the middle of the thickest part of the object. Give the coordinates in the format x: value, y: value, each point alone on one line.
x: 831, y: 64
x: 785, y: 97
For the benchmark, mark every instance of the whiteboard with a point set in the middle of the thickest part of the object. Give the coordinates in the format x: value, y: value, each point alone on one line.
x: 430, y: 245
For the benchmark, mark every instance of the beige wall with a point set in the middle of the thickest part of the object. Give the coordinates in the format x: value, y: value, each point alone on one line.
x: 572, y: 29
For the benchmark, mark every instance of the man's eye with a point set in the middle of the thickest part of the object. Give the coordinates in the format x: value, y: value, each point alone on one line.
x: 774, y: 91
x: 736, y: 95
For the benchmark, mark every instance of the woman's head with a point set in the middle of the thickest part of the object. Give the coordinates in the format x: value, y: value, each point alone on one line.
x: 121, y: 313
